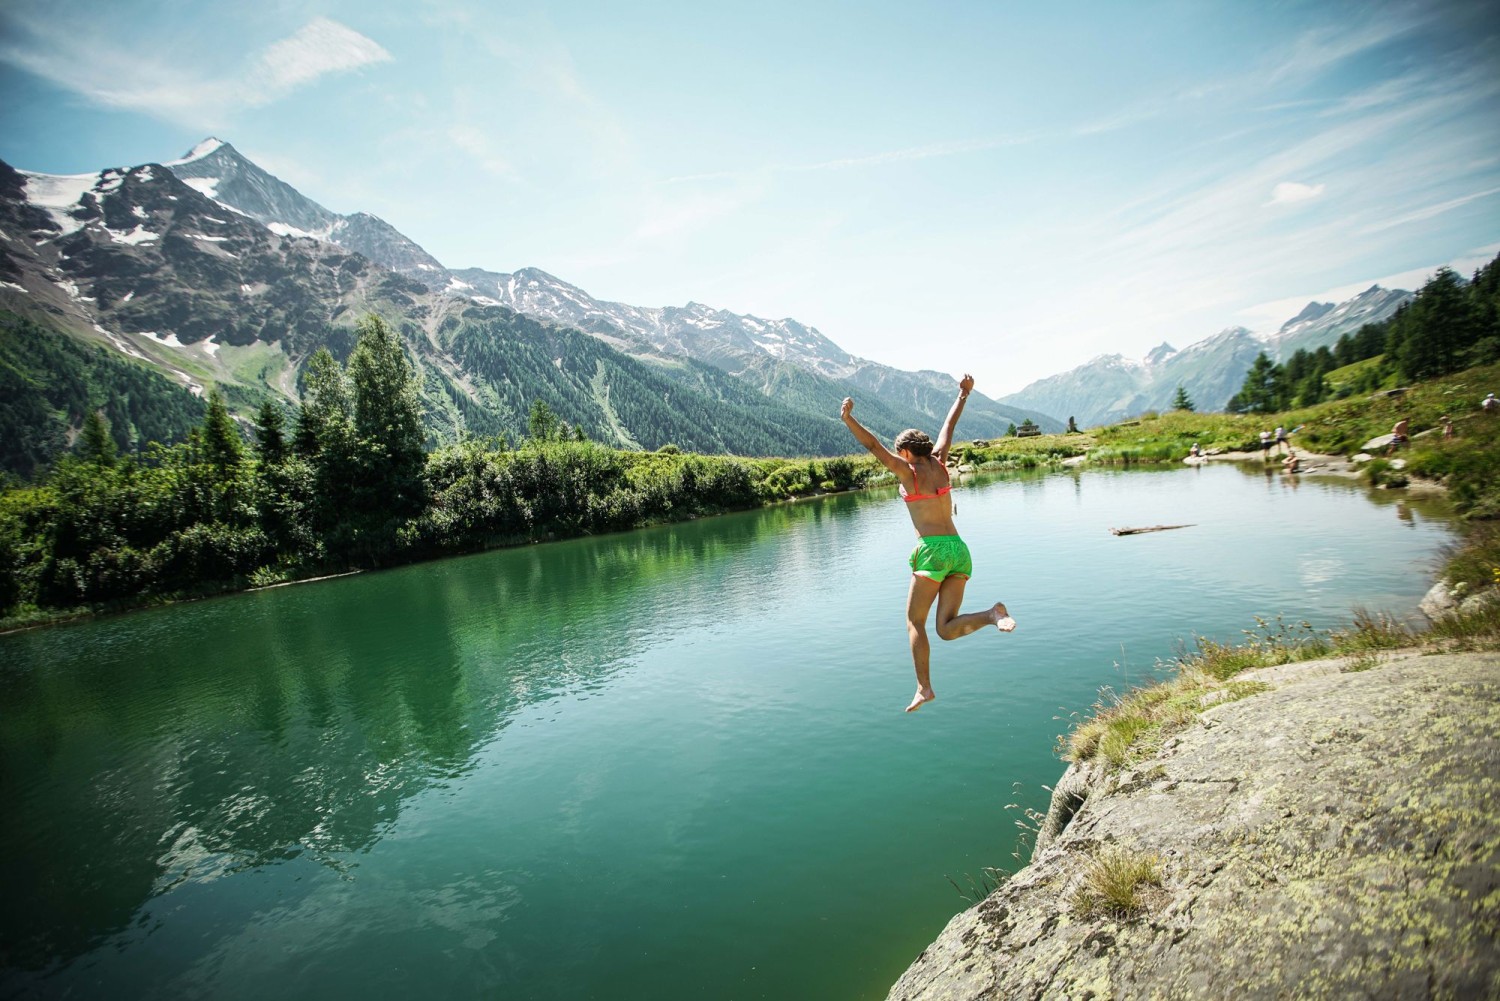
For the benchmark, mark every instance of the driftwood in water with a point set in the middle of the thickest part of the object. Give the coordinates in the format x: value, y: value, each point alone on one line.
x: 1138, y: 531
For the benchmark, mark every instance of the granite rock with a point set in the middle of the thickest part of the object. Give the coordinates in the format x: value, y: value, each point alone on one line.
x: 1337, y: 836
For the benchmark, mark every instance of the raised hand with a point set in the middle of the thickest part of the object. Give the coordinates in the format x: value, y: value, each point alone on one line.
x: 966, y: 384
x: 847, y: 408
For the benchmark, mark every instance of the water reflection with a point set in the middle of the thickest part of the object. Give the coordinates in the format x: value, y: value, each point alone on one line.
x: 185, y: 744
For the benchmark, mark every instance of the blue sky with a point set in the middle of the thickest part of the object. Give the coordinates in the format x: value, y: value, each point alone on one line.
x: 1002, y: 188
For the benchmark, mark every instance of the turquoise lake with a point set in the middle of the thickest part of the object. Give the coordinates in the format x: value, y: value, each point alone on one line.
x: 669, y: 764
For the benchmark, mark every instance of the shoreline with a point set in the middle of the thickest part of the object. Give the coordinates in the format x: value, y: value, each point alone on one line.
x: 1315, y: 464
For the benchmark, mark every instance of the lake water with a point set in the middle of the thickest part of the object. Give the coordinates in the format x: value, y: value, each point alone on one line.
x: 666, y: 764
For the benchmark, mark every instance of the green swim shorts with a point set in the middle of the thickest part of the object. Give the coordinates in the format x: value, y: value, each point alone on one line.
x: 937, y: 556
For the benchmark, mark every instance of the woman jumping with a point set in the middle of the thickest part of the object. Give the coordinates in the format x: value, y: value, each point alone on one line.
x: 940, y: 565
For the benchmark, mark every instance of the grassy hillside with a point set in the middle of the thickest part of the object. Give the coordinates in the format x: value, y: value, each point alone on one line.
x: 1468, y: 464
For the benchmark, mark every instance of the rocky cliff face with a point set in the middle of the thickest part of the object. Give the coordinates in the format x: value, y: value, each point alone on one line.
x: 1336, y: 837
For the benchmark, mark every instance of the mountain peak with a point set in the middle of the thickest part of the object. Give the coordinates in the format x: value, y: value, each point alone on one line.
x: 205, y: 148
x: 1312, y: 311
x: 1160, y: 353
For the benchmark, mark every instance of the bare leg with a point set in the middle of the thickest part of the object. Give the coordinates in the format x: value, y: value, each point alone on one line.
x: 951, y: 625
x: 918, y: 602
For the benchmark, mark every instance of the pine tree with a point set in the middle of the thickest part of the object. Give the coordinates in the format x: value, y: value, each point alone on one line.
x: 270, y: 433
x: 542, y: 424
x: 387, y: 420
x: 222, y: 446
x: 1258, y: 394
x: 95, y: 444
x: 1182, y: 401
x: 325, y: 423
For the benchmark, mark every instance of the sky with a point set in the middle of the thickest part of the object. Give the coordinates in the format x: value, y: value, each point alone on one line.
x: 1008, y: 189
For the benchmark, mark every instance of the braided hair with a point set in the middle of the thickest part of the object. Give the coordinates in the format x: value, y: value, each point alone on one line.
x: 914, y: 441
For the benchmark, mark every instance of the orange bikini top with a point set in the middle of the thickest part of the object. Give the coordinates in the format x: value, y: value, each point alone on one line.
x: 916, y: 497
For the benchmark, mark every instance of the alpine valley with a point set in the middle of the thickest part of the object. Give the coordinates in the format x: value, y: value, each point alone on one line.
x: 207, y: 270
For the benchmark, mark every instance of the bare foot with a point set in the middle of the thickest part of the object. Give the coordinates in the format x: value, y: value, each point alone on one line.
x: 923, y: 695
x: 1003, y: 621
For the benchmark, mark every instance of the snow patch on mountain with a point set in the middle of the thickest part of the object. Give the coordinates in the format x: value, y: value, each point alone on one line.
x: 58, y: 195
x: 208, y: 187
x: 136, y: 236
x: 282, y: 229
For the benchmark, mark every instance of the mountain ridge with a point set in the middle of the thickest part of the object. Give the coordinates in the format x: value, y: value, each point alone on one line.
x: 737, y: 343
x: 1112, y: 387
x: 142, y: 262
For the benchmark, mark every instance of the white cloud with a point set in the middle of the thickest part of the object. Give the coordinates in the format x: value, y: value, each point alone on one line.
x: 97, y: 65
x: 320, y: 47
x: 1288, y: 192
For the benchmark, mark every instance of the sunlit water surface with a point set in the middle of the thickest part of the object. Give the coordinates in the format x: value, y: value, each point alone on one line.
x: 666, y: 764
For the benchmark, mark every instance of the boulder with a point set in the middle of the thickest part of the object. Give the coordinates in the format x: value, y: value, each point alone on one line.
x: 1439, y: 602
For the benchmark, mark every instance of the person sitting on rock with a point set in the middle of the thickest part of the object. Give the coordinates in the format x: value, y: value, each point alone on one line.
x: 1399, y: 436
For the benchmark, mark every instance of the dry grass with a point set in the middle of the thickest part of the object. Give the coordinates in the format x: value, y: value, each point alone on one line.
x: 1115, y: 881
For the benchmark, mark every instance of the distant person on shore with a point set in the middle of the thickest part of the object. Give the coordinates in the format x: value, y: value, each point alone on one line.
x: 1399, y: 436
x: 1282, y: 445
x: 1291, y: 463
x: 1490, y: 405
x: 1447, y: 423
x: 1195, y: 451
x: 1265, y: 446
x: 940, y: 565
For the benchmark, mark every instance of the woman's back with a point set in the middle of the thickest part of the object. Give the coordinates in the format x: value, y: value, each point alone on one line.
x: 929, y: 500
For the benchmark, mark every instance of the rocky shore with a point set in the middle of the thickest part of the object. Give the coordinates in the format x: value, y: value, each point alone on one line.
x: 1335, y: 836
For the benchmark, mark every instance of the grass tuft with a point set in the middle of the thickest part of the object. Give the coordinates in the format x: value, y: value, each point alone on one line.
x: 1115, y: 881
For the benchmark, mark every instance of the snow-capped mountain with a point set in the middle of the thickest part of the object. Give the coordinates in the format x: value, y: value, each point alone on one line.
x: 1321, y: 324
x: 713, y: 335
x: 774, y: 356
x: 140, y: 261
x: 220, y: 172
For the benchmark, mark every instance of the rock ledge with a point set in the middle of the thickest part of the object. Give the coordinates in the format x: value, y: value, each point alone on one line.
x: 1338, y: 836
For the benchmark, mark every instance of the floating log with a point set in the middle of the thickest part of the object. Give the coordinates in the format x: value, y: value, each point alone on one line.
x: 1153, y: 528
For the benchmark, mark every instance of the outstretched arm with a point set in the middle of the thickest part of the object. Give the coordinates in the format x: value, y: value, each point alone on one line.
x: 945, y: 436
x: 862, y: 434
